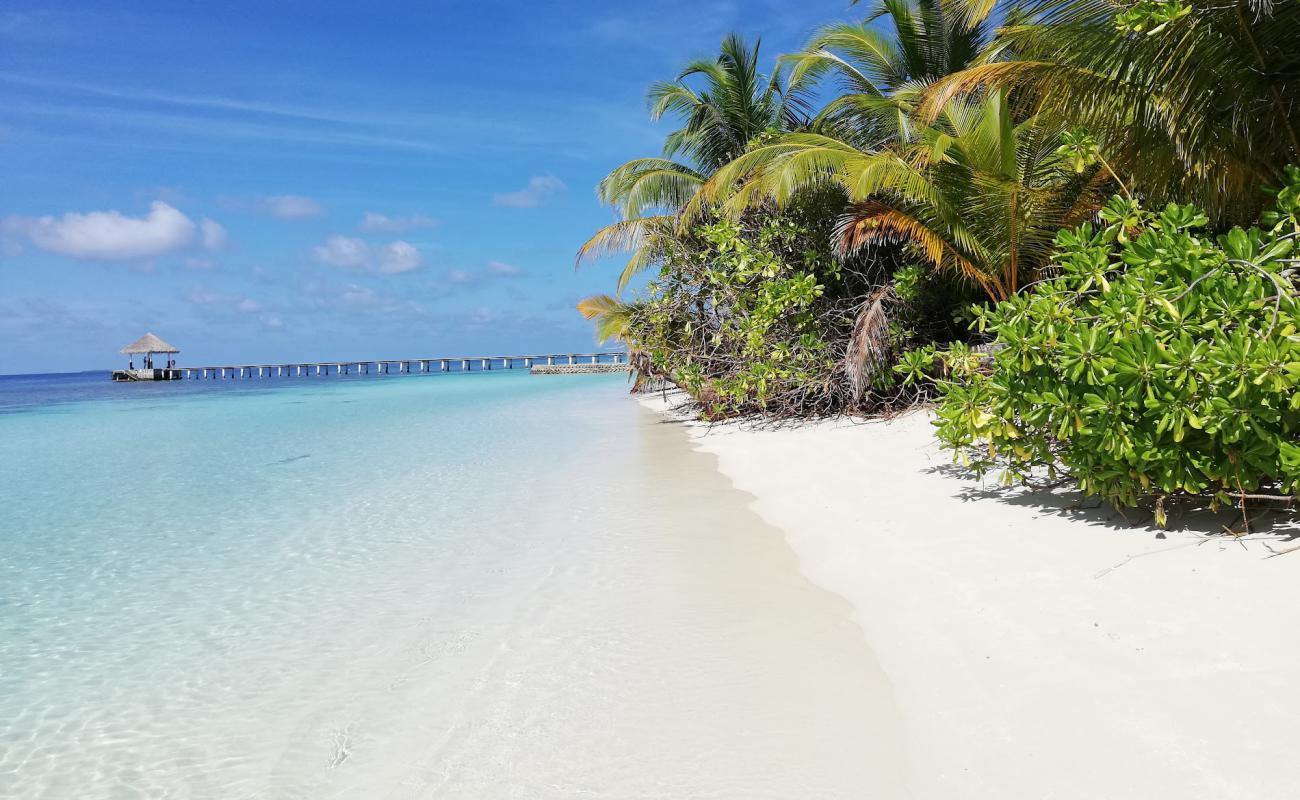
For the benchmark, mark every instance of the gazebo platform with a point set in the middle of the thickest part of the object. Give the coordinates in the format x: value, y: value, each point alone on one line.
x: 146, y: 374
x: 145, y: 347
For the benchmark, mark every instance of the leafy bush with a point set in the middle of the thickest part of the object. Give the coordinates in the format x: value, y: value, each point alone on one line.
x: 1158, y: 361
x: 759, y: 316
x: 733, y: 315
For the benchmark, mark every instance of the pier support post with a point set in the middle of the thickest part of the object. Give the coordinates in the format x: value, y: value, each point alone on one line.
x: 570, y: 358
x: 444, y: 366
x: 550, y: 361
x: 464, y: 365
x: 528, y: 362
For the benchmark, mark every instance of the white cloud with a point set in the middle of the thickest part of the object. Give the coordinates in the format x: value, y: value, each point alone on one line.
x: 398, y: 257
x: 109, y: 235
x: 504, y: 270
x: 351, y: 253
x: 343, y: 251
x: 205, y: 297
x: 292, y: 206
x: 539, y: 189
x: 201, y: 296
x: 214, y: 236
x: 374, y: 222
x: 354, y: 295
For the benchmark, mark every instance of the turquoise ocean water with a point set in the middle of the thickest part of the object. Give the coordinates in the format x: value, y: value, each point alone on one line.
x: 477, y: 586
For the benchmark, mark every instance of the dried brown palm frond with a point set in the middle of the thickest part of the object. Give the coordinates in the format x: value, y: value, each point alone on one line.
x: 868, y: 351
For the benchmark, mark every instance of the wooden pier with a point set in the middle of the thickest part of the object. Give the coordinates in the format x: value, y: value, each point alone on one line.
x: 596, y: 362
x: 169, y: 374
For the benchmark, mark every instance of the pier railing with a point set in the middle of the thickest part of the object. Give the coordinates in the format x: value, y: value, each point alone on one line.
x: 397, y: 365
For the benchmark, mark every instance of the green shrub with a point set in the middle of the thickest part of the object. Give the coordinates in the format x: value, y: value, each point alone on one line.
x: 737, y: 316
x: 761, y: 316
x: 1156, y: 361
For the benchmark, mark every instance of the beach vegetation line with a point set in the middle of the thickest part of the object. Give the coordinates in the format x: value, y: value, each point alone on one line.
x: 888, y: 188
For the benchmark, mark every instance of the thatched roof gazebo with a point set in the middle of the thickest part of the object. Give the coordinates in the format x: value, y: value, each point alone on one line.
x: 146, y: 346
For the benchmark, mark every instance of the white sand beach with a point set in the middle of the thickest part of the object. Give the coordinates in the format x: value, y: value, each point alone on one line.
x: 1037, y: 651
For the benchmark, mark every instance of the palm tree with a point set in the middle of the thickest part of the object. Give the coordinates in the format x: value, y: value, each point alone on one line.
x: 880, y: 71
x: 723, y: 104
x: 1192, y: 99
x: 735, y: 104
x: 976, y: 192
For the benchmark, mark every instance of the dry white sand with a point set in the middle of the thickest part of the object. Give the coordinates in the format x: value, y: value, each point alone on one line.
x: 1037, y: 651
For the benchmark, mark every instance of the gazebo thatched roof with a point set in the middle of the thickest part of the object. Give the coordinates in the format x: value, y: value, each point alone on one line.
x: 149, y: 344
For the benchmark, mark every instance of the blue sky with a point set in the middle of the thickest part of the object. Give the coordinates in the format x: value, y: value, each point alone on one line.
x: 299, y: 181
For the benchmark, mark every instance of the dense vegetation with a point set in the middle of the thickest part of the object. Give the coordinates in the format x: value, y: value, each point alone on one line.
x: 856, y: 207
x: 1159, y: 360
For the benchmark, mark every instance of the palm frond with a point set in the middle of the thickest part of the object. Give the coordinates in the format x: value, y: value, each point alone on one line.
x: 612, y: 316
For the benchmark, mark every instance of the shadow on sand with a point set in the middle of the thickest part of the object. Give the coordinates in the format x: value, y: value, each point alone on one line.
x: 1261, y: 522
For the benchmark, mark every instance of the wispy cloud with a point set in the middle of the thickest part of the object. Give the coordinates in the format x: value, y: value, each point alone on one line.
x: 374, y: 222
x: 199, y: 101
x: 493, y: 270
x: 347, y: 252
x: 504, y: 270
x: 230, y: 304
x: 225, y: 129
x: 665, y: 28
x: 539, y: 189
x: 234, y: 118
x: 291, y: 206
x: 362, y: 301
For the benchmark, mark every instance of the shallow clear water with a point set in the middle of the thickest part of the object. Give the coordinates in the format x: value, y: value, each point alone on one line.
x: 471, y: 586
